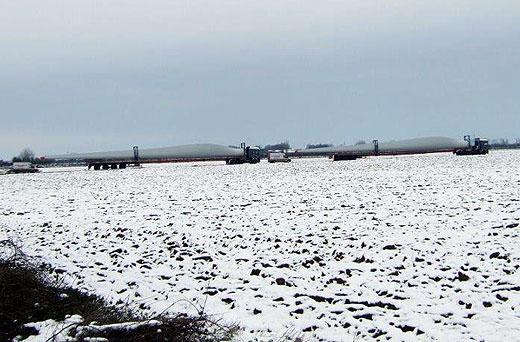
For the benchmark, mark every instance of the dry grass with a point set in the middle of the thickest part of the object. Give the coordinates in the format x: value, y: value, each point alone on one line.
x: 34, y: 292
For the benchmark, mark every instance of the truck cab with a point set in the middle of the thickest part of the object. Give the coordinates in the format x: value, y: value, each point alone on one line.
x: 252, y: 154
x: 480, y: 146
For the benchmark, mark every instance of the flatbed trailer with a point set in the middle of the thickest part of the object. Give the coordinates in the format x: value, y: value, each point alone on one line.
x: 123, y: 164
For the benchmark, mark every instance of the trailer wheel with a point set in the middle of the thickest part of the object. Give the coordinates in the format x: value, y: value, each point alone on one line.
x: 234, y: 161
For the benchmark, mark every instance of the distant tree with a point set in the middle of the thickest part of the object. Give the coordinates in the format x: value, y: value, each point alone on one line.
x: 311, y: 146
x: 280, y: 146
x: 504, y: 142
x: 361, y: 142
x: 27, y: 155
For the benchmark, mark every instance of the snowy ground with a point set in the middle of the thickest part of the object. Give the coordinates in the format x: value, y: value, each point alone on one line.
x: 411, y: 248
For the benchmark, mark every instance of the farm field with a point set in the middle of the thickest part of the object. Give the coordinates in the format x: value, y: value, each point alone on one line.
x: 411, y: 248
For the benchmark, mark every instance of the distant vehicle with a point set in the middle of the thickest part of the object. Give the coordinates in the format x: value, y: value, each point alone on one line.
x: 277, y: 157
x: 22, y: 167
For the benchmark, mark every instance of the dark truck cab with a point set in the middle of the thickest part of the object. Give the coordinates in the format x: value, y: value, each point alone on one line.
x: 480, y: 146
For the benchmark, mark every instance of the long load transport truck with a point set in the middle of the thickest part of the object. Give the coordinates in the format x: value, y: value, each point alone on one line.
x: 184, y: 153
x: 408, y: 146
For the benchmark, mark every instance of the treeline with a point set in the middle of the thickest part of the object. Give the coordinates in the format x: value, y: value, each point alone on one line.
x: 504, y: 143
x: 27, y: 155
x: 282, y: 146
x: 311, y: 146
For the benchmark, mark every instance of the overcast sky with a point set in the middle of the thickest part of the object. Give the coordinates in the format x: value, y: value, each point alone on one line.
x: 79, y: 76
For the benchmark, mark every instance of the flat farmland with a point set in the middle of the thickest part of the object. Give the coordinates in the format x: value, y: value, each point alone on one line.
x: 411, y: 248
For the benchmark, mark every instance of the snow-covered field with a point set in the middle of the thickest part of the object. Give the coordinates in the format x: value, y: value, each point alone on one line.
x: 410, y: 248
